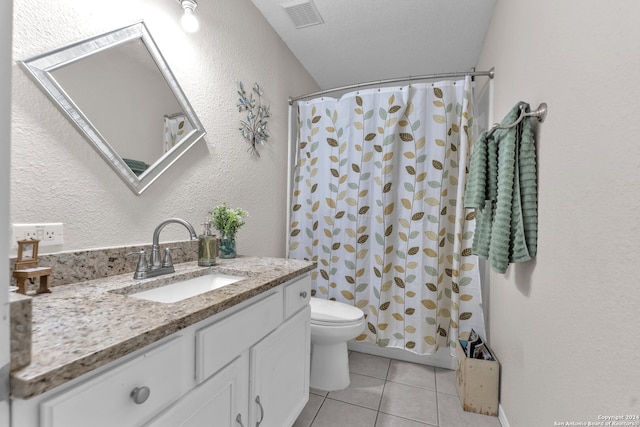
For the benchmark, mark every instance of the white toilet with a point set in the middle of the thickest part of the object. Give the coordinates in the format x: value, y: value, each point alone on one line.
x: 332, y: 325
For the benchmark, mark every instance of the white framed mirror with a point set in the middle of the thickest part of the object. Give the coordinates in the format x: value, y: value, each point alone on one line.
x: 119, y: 92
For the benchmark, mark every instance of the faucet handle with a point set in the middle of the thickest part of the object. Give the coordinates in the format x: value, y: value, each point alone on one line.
x: 168, y: 260
x: 142, y: 267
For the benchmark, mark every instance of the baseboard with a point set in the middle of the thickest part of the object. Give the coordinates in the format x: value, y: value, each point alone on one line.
x: 502, y: 418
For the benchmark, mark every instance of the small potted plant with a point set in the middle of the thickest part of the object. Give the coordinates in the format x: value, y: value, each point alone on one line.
x: 227, y: 221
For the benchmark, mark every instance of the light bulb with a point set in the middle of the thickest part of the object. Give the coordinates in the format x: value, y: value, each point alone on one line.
x: 189, y: 21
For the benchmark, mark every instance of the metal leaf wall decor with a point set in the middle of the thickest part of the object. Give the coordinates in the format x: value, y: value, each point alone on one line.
x: 254, y: 128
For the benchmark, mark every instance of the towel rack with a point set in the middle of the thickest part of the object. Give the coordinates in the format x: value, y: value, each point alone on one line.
x: 540, y: 113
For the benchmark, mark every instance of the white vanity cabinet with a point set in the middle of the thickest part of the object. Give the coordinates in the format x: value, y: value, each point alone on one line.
x: 246, y: 366
x: 267, y: 384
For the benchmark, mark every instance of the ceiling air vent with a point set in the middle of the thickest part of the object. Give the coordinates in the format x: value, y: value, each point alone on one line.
x: 303, y: 13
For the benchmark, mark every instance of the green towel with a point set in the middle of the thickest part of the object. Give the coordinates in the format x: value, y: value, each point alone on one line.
x: 501, y: 187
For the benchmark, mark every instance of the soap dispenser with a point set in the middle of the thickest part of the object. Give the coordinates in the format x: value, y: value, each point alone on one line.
x: 207, y: 247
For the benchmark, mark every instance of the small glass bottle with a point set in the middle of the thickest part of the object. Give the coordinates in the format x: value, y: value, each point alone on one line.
x: 207, y: 247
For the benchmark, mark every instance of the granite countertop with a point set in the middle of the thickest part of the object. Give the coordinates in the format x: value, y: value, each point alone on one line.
x: 83, y: 326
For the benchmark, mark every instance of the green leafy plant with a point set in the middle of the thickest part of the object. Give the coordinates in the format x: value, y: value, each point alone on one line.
x: 254, y: 129
x: 227, y: 220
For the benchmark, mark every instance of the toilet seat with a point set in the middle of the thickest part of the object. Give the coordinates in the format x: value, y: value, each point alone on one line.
x: 334, y: 313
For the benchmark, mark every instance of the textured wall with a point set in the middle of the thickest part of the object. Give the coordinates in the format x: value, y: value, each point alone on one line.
x: 57, y: 177
x: 565, y: 326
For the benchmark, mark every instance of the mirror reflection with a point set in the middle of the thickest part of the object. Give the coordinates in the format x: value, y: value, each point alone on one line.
x: 126, y: 78
x: 27, y: 251
x: 119, y: 92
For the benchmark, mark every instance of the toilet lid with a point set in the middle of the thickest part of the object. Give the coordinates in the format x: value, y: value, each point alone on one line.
x: 326, y: 311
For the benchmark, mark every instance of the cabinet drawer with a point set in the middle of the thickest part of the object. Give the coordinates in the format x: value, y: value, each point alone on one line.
x: 106, y: 400
x: 221, y: 342
x: 296, y: 295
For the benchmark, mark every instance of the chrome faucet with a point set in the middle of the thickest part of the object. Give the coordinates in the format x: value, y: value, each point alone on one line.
x: 157, y: 268
x: 155, y: 248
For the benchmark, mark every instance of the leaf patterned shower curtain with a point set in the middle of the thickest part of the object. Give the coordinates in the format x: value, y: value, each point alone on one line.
x: 377, y: 204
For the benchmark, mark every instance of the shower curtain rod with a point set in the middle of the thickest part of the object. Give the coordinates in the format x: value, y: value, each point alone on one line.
x: 472, y: 73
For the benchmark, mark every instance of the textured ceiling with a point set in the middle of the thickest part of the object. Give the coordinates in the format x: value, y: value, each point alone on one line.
x: 367, y: 40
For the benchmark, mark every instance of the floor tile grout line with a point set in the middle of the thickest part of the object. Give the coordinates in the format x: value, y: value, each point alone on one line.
x: 435, y: 383
x: 352, y: 404
x: 384, y: 385
x: 408, y: 419
x: 386, y: 380
x: 437, y: 407
x: 313, y: 420
x: 412, y: 385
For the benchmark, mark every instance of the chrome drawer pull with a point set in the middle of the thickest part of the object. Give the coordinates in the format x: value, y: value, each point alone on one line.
x: 239, y: 420
x: 303, y: 294
x: 140, y: 394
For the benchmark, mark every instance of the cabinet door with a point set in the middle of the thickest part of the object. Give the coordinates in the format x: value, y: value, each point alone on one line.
x: 280, y: 373
x: 221, y: 401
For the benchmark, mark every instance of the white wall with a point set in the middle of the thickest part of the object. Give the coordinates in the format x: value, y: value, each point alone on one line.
x: 565, y: 326
x: 57, y: 177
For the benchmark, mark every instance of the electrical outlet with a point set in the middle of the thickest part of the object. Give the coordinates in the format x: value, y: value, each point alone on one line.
x: 50, y: 234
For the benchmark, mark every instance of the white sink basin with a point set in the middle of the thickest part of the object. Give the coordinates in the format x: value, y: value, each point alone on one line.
x: 178, y: 291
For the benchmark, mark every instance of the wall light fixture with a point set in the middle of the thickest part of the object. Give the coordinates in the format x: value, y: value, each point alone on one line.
x: 189, y: 21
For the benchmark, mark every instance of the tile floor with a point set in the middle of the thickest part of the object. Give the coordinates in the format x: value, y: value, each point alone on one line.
x: 390, y: 393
